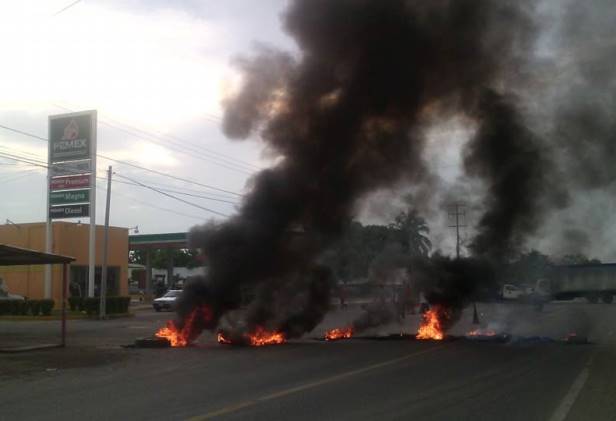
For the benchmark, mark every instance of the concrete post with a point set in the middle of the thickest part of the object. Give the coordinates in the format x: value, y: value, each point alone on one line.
x: 148, y: 275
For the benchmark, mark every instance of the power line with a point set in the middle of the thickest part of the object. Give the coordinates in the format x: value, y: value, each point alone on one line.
x: 172, y: 196
x: 191, y: 150
x: 21, y: 159
x: 157, y: 134
x: 200, y: 218
x: 19, y: 175
x: 183, y: 142
x: 168, y: 187
x: 23, y: 133
x: 42, y: 164
x: 167, y: 175
x: 457, y: 212
x: 65, y: 8
x: 132, y: 165
x: 183, y: 193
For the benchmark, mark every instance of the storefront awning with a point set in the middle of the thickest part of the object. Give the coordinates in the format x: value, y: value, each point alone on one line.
x: 11, y: 255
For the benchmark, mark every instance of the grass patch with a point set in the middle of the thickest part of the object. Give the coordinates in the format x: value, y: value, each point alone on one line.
x: 57, y: 315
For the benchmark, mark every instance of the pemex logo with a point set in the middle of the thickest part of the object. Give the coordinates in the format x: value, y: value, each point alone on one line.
x: 71, y: 131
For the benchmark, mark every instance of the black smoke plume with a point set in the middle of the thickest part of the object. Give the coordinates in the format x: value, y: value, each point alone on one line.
x: 516, y: 169
x: 346, y: 118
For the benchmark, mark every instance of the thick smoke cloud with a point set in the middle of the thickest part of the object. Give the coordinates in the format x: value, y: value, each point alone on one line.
x: 346, y: 118
x: 585, y: 101
x: 517, y: 171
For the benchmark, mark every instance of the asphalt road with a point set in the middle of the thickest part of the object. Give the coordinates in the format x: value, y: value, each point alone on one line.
x: 356, y: 379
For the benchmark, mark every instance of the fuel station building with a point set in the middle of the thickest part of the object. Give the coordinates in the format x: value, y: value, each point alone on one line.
x: 69, y: 239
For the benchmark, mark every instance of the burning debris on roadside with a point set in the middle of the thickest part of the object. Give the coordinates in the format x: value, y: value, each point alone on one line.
x: 431, y: 327
x: 183, y: 336
x: 347, y: 116
x: 338, y: 334
x: 260, y: 337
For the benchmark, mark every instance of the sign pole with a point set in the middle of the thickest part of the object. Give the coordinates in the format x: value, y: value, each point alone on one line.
x: 71, y: 181
x: 105, y: 241
x: 48, y: 231
x: 92, y: 245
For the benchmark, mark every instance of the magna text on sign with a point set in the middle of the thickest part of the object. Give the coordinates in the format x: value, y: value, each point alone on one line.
x: 69, y: 196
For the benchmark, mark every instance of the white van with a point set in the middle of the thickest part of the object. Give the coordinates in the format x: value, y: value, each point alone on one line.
x: 511, y: 292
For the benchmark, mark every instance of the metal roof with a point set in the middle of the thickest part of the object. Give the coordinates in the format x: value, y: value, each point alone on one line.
x: 169, y: 240
x: 11, y: 255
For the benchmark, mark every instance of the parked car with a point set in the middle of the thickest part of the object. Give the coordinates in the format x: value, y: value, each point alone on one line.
x: 511, y: 292
x: 6, y: 296
x: 11, y: 297
x: 167, y: 301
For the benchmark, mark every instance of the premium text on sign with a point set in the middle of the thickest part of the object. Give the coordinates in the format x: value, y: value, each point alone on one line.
x: 73, y: 182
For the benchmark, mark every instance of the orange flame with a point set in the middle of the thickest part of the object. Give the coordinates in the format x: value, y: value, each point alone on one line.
x: 222, y: 339
x: 259, y: 337
x: 182, y: 337
x: 430, y: 327
x: 481, y: 332
x: 262, y: 337
x: 339, y: 333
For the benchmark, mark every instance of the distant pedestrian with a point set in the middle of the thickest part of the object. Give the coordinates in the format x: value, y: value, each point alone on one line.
x: 423, y: 303
x: 342, y: 298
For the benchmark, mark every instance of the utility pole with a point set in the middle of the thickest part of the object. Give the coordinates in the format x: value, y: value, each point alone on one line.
x: 457, y: 212
x: 103, y: 289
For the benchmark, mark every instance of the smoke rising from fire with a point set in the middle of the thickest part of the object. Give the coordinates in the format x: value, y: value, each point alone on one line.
x: 347, y: 117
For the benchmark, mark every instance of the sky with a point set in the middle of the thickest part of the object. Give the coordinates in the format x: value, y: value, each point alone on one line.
x: 157, y: 73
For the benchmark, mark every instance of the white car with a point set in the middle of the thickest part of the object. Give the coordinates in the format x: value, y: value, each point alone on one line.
x: 6, y: 296
x: 511, y: 292
x: 11, y: 297
x: 167, y: 301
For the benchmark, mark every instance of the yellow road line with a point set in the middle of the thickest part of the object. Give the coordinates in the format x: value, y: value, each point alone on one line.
x: 241, y: 405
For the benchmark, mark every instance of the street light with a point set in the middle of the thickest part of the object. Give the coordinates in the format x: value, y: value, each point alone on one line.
x: 9, y: 222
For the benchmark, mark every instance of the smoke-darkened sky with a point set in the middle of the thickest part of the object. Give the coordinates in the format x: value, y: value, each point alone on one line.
x: 165, y: 67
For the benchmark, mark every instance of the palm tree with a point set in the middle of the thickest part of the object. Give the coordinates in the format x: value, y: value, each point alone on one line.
x: 411, y: 231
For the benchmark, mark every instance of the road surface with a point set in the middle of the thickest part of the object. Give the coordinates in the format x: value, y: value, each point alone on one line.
x: 531, y: 379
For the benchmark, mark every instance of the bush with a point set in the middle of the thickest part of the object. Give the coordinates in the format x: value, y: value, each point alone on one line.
x: 111, y: 305
x: 46, y: 306
x: 35, y: 307
x: 75, y: 303
x: 24, y: 308
x: 117, y: 305
x: 5, y: 307
x: 18, y: 307
x: 91, y: 305
x: 124, y: 302
x: 81, y: 304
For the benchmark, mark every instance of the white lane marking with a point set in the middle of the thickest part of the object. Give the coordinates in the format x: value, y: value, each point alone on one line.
x: 567, y: 403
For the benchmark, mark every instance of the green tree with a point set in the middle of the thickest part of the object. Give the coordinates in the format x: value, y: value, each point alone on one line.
x: 352, y: 256
x: 527, y: 268
x: 411, y: 231
x: 189, y: 258
x: 577, y: 259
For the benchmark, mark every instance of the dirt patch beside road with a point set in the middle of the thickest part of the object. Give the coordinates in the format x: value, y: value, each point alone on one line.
x: 54, y: 360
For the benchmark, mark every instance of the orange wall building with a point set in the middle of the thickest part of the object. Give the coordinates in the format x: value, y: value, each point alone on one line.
x: 69, y: 239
